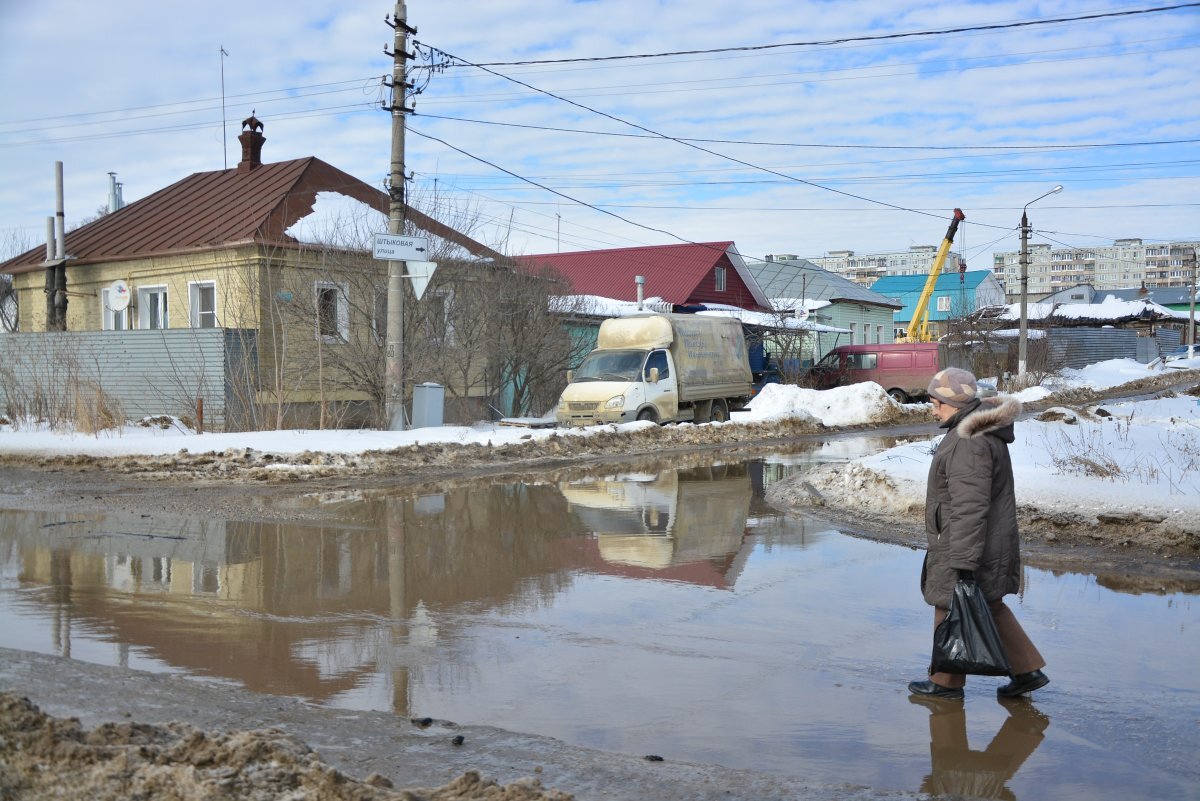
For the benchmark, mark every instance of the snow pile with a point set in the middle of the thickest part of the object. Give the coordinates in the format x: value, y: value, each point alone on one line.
x: 857, y: 404
x: 1146, y: 455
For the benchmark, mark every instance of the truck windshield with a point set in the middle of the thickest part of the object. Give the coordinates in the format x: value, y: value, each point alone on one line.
x: 611, y: 365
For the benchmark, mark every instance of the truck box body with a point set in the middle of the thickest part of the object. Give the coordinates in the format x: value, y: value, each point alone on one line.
x: 903, y: 369
x: 700, y: 363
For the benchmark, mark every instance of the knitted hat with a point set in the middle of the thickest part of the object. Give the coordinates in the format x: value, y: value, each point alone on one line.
x: 954, y: 386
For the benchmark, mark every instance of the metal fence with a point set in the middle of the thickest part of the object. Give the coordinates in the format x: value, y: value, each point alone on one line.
x: 1079, y: 347
x: 185, y: 372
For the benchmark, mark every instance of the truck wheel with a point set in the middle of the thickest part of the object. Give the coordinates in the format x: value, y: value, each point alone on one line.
x: 899, y: 395
x: 720, y: 411
x: 647, y: 414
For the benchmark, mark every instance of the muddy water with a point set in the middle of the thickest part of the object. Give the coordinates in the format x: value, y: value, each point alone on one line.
x: 669, y: 613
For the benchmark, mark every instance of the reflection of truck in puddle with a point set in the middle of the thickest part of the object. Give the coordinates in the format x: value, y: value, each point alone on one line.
x: 670, y: 520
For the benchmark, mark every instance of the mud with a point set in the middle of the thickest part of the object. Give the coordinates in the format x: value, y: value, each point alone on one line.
x: 46, y: 757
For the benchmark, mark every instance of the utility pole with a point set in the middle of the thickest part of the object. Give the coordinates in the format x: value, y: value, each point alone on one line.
x: 1023, y: 329
x: 394, y: 375
x: 1192, y: 304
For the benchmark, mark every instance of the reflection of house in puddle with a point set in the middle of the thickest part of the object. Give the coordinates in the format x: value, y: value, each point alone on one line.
x: 686, y: 525
x: 297, y: 608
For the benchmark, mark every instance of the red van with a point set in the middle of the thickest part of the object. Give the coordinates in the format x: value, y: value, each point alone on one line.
x: 904, y: 369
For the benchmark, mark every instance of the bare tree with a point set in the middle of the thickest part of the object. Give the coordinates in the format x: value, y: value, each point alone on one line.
x: 14, y: 243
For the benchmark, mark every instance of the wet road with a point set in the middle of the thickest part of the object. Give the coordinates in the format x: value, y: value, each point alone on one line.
x: 671, y: 613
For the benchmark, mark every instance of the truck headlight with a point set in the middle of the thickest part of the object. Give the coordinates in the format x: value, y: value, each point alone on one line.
x: 615, y: 402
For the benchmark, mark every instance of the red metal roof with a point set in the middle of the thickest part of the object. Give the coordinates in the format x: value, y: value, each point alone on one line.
x: 680, y: 274
x: 221, y: 208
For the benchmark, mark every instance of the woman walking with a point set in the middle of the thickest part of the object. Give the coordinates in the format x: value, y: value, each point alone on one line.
x: 971, y: 524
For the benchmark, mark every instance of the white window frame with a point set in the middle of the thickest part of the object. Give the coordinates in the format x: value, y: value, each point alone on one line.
x: 195, y: 313
x: 719, y: 278
x: 341, y: 312
x: 853, y: 333
x: 112, y: 320
x: 447, y: 296
x: 943, y: 303
x: 152, y: 298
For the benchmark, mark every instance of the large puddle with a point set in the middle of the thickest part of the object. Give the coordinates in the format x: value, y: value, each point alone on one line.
x: 668, y: 613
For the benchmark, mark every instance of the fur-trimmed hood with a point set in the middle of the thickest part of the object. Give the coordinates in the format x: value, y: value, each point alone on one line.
x: 992, y: 416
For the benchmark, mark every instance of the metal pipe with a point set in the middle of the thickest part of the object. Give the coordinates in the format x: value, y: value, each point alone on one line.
x: 60, y: 217
x: 641, y: 289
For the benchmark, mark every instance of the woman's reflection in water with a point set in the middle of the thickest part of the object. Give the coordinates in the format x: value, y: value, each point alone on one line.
x: 955, y: 769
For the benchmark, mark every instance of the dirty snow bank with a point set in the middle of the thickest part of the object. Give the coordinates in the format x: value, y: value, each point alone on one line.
x: 861, y: 404
x: 1136, y: 464
x: 41, y: 756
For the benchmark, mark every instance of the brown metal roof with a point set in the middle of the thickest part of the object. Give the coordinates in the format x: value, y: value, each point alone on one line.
x: 225, y: 207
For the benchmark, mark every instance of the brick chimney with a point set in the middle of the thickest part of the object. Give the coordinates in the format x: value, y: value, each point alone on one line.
x: 252, y: 142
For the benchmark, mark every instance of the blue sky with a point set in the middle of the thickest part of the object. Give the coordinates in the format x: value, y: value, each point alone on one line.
x: 861, y: 145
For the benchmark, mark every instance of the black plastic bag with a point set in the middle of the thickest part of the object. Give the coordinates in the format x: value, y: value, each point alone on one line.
x: 966, y: 641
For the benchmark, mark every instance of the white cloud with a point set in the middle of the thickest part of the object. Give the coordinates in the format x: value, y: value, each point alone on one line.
x: 311, y: 74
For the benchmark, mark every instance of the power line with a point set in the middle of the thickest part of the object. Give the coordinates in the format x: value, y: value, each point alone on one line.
x: 846, y: 39
x: 551, y: 191
x: 690, y: 144
x: 825, y: 145
x: 248, y: 95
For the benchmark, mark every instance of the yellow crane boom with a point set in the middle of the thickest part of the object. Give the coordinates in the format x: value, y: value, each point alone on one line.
x: 918, y: 327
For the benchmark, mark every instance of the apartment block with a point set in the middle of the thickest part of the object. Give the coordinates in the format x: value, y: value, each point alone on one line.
x: 866, y: 269
x: 1124, y: 264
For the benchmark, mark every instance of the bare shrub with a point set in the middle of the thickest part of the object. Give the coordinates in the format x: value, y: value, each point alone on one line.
x: 96, y: 410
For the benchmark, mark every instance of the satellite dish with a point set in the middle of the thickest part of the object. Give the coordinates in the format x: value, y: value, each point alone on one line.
x: 118, y: 296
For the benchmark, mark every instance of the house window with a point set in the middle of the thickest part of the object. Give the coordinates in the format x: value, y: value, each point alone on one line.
x: 152, y: 307
x: 879, y: 334
x: 438, y: 308
x: 112, y: 319
x: 333, y: 312
x: 202, y: 298
x: 943, y: 303
x: 719, y: 277
x: 853, y: 333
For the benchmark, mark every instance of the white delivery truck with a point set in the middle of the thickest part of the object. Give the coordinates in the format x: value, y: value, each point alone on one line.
x: 660, y: 367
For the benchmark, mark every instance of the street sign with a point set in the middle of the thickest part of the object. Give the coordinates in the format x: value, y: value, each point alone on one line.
x: 419, y: 272
x: 394, y: 247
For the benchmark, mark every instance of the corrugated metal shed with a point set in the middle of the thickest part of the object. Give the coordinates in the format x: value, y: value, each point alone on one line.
x: 680, y: 274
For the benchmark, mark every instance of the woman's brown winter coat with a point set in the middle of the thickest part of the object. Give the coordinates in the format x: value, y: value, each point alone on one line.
x: 970, y: 505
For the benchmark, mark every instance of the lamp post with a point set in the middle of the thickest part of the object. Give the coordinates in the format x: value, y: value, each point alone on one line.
x: 1023, y: 337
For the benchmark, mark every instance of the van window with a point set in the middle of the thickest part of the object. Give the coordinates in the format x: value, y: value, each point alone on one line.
x: 861, y: 361
x: 829, y: 360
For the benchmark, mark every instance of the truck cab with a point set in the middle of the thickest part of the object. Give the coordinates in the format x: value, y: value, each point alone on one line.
x: 637, y: 385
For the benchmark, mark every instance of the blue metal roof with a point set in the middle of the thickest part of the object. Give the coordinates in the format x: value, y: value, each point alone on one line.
x: 958, y: 287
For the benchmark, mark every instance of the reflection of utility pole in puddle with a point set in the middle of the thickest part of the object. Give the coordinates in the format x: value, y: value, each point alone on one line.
x: 60, y: 579
x: 957, y: 770
x: 397, y: 602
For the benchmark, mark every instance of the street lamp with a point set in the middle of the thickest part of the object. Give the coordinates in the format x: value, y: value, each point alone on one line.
x: 1023, y: 338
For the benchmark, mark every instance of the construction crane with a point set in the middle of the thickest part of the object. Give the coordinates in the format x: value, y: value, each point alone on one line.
x: 918, y: 327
